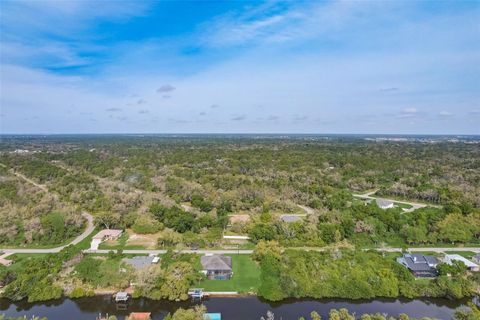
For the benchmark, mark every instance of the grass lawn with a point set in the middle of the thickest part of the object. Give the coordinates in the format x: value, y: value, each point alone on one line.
x: 246, y: 277
x: 403, y: 205
x: 20, y: 258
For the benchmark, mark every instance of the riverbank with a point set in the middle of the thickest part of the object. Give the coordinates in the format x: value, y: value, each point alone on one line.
x: 238, y: 308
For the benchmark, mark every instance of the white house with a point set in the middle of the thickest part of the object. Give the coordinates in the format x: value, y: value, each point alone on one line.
x: 449, y: 258
x: 384, y: 204
x: 106, y: 234
x: 476, y: 258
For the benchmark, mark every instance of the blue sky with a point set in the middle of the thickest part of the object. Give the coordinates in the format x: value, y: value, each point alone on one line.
x: 247, y: 67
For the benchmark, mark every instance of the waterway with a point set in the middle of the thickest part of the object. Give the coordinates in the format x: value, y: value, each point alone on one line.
x: 241, y: 308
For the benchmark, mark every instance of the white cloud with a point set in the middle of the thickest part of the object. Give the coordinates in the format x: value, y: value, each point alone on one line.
x: 445, y: 114
x: 410, y: 111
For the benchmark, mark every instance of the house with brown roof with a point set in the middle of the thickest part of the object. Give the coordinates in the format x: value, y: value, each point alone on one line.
x: 106, y: 234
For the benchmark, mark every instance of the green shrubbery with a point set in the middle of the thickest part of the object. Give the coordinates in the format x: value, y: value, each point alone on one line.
x: 349, y: 274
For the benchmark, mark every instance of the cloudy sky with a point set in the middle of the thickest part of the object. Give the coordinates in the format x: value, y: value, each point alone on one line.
x: 252, y: 67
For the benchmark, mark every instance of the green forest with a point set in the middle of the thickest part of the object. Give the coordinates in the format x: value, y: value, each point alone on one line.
x: 298, y: 200
x: 192, y: 187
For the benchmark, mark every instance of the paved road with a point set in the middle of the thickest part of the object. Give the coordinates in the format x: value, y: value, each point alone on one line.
x: 86, y: 233
x: 233, y: 251
x: 219, y: 251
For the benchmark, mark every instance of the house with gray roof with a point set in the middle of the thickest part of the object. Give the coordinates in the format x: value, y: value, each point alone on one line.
x: 291, y: 218
x: 141, y: 262
x: 450, y: 258
x: 217, y: 267
x: 384, y: 203
x: 421, y: 266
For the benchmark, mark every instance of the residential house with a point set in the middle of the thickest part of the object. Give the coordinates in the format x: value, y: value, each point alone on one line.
x: 140, y: 316
x: 141, y: 262
x: 291, y: 218
x: 476, y: 258
x: 449, y: 258
x: 421, y: 266
x: 217, y: 267
x: 384, y: 204
x: 104, y: 235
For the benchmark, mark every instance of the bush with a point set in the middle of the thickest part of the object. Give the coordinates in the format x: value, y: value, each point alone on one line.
x: 145, y: 225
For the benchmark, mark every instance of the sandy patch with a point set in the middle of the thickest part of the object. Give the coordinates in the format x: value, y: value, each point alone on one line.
x: 149, y: 241
x: 239, y: 218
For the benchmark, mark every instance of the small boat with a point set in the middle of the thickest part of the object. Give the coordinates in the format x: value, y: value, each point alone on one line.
x: 121, y: 296
x: 196, y: 293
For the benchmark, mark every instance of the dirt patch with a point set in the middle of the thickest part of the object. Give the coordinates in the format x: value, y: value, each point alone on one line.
x: 149, y: 241
x: 239, y: 218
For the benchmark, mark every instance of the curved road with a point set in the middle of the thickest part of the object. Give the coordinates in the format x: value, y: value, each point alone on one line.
x: 86, y: 233
x: 415, y: 205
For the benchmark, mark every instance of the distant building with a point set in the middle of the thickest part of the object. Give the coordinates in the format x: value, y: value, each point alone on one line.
x: 121, y: 296
x: 217, y: 267
x: 384, y: 204
x: 106, y: 234
x: 421, y: 266
x: 450, y: 258
x: 139, y: 316
x: 141, y: 262
x: 5, y: 262
x: 291, y: 218
x: 476, y: 258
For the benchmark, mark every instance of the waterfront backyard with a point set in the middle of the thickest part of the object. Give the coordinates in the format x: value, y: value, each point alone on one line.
x: 246, y: 277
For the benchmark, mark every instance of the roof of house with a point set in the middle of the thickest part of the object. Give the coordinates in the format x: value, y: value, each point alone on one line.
x: 468, y: 263
x: 107, y: 233
x: 121, y: 294
x: 419, y: 262
x: 216, y: 262
x: 140, y: 262
x: 139, y: 316
x: 290, y: 218
x: 384, y: 202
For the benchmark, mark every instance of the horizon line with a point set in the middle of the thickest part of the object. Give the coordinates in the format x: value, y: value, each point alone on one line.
x: 239, y: 133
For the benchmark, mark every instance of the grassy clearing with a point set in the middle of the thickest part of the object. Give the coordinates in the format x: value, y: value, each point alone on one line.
x: 20, y: 258
x: 246, y: 277
x: 402, y: 205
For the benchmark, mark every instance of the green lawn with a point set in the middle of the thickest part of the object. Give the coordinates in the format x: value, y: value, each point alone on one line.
x: 19, y: 259
x: 402, y: 205
x: 246, y: 277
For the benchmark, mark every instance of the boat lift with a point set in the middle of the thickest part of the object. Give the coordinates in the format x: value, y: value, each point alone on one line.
x: 197, y: 293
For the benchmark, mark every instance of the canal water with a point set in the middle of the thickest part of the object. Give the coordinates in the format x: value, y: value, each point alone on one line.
x: 242, y: 308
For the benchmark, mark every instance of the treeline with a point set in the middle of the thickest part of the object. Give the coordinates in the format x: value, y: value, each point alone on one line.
x: 127, y: 177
